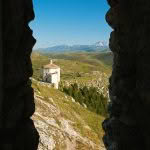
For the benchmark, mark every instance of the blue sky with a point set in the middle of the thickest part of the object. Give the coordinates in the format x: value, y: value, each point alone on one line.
x: 69, y: 22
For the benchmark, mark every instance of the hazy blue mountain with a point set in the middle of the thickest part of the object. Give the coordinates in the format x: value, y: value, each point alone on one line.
x: 98, y: 46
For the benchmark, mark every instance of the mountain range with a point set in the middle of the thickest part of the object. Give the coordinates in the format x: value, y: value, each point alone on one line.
x: 98, y: 46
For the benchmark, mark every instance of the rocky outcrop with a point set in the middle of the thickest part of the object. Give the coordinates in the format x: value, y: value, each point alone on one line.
x: 128, y: 126
x: 100, y: 81
x: 18, y: 131
x: 59, y: 130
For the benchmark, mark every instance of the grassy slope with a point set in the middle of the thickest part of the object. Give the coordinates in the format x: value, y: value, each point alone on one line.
x: 102, y: 59
x: 73, y: 63
x: 74, y: 112
x: 106, y: 58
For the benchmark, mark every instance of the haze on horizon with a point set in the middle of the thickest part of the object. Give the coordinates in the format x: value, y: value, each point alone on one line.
x: 69, y: 22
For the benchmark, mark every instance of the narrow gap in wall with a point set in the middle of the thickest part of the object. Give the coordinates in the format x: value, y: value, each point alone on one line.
x: 71, y: 63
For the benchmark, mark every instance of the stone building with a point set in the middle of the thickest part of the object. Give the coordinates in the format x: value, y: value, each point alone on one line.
x: 51, y: 74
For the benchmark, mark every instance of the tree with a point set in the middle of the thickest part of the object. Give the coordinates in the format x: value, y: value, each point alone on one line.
x: 95, y: 101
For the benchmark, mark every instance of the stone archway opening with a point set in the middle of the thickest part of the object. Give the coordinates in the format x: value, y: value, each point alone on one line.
x: 60, y: 27
x: 128, y: 125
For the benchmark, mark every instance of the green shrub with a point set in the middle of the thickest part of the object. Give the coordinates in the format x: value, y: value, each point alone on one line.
x: 95, y: 101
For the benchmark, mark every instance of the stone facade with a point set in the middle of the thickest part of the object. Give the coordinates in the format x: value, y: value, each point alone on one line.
x: 128, y: 126
x: 51, y: 74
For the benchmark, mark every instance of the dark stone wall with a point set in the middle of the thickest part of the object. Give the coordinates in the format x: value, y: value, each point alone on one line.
x: 128, y: 125
x: 1, y: 66
x: 17, y: 131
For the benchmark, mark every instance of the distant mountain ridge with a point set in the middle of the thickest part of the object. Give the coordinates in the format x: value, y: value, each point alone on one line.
x: 98, y: 46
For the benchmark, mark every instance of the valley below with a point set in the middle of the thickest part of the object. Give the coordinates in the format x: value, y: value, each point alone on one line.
x: 68, y: 121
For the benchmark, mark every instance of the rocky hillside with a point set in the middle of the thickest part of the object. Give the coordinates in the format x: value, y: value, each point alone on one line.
x: 94, y: 79
x: 62, y: 123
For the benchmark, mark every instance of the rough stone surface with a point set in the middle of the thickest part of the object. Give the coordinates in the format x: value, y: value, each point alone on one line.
x: 128, y: 126
x: 18, y: 129
x: 58, y: 125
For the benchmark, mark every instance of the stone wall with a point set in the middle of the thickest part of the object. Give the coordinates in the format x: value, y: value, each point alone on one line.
x: 128, y: 125
x: 1, y: 66
x: 18, y: 131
